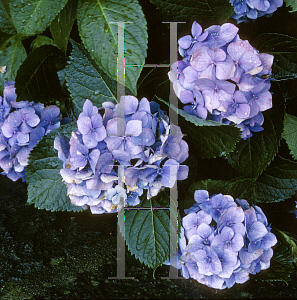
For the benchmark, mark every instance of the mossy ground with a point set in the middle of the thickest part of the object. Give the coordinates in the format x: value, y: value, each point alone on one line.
x: 62, y: 255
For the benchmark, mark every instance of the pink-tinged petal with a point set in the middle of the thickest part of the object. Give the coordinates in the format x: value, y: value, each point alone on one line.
x: 204, y: 230
x: 183, y: 172
x: 186, y: 96
x: 189, y: 221
x: 209, y: 73
x: 7, y: 129
x: 267, y: 61
x: 227, y: 233
x: 131, y: 104
x: 114, y: 143
x: 256, y: 231
x: 200, y: 59
x: 88, y: 108
x: 22, y: 138
x: 148, y: 137
x: 225, y: 69
x: 201, y: 196
x: 32, y: 119
x: 249, y: 61
x: 80, y: 161
x: 226, y: 86
x: 144, y: 105
x: 84, y: 124
x: 100, y: 133
x: 236, y: 49
x: 116, y: 127
x: 132, y: 148
x: 96, y: 121
x: 201, y: 112
x: 264, y: 101
x: 168, y: 180
x: 261, y: 88
x: 89, y: 140
x: 133, y: 128
x: 196, y: 29
x: 170, y: 167
x: 185, y: 42
x: 228, y: 32
x: 94, y: 155
x: 217, y: 55
x: 243, y: 111
x: 260, y: 5
x: 205, y: 84
x: 50, y: 112
x: 190, y: 74
x: 237, y: 242
x: 239, y: 97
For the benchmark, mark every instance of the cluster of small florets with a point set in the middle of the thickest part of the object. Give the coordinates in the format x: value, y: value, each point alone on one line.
x: 22, y: 125
x: 221, y: 243
x: 131, y: 148
x: 246, y: 10
x: 223, y: 78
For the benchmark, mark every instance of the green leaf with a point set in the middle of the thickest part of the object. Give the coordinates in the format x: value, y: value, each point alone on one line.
x: 292, y: 4
x: 12, y: 54
x: 252, y: 156
x: 87, y: 81
x: 278, y: 182
x: 6, y: 24
x: 282, y: 261
x: 290, y: 133
x: 219, y: 10
x: 191, y: 118
x: 210, y: 139
x: 284, y: 50
x: 147, y: 231
x: 32, y: 17
x: 99, y: 35
x: 61, y: 26
x: 45, y: 187
x: 40, y: 41
x: 37, y: 78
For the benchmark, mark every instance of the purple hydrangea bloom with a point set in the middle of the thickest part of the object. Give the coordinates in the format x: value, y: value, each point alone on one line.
x: 120, y: 155
x: 246, y: 10
x: 226, y: 253
x: 223, y: 78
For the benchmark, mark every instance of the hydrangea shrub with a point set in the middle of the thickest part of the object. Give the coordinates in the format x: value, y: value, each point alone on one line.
x: 222, y: 241
x: 22, y: 125
x: 223, y: 78
x: 246, y: 10
x: 149, y: 148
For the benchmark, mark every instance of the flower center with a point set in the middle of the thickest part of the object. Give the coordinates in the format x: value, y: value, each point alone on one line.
x: 214, y: 35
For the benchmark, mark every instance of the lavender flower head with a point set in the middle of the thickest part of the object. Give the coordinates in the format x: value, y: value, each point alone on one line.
x: 223, y: 241
x: 22, y: 125
x: 245, y: 10
x: 223, y: 78
x: 114, y: 157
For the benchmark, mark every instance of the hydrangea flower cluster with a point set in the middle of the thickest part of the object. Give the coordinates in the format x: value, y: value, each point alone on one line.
x: 253, y: 9
x: 223, y: 78
x: 221, y: 243
x: 22, y: 125
x: 133, y: 134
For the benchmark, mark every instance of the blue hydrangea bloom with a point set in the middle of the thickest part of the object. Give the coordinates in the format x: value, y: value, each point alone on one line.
x: 221, y: 243
x: 133, y: 138
x: 22, y: 125
x: 246, y: 10
x: 223, y: 78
